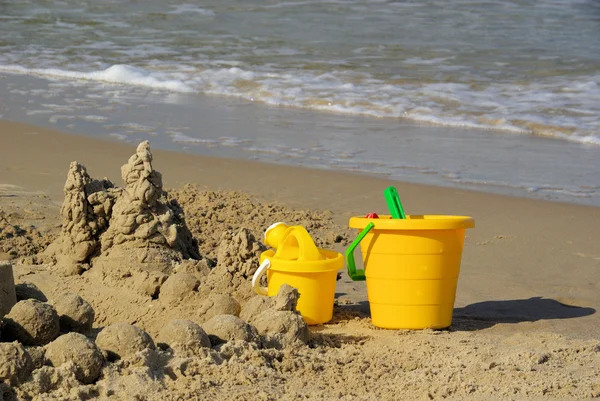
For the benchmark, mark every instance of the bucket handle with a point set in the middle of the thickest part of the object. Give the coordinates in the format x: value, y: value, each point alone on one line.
x: 256, y: 278
x: 306, y: 250
x: 356, y: 275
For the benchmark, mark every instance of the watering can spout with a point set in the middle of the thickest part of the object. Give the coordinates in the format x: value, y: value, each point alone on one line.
x: 274, y: 234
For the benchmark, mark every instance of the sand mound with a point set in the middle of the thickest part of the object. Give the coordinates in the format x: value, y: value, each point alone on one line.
x: 237, y: 260
x: 210, y: 213
x: 122, y: 340
x: 15, y: 363
x: 178, y: 286
x: 185, y: 337
x: 85, y: 214
x: 74, y: 313
x: 285, y: 300
x: 143, y: 215
x: 218, y: 304
x: 282, y: 328
x: 20, y: 242
x: 276, y: 318
x: 59, y: 382
x: 79, y: 350
x: 31, y: 322
x: 224, y: 328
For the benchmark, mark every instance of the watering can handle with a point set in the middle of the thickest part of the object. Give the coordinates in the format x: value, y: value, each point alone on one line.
x: 306, y: 250
x: 352, y: 272
x: 256, y: 278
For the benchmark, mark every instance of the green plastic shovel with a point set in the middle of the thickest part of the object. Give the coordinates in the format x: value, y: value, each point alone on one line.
x: 394, y: 204
x: 396, y: 210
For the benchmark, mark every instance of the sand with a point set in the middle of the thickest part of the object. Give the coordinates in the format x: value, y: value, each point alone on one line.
x: 525, y: 324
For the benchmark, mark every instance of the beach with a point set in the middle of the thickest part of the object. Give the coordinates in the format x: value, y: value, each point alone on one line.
x: 147, y: 153
x: 525, y: 324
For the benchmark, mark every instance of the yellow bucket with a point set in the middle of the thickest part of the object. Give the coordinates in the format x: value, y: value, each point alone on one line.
x: 300, y: 264
x: 411, y: 268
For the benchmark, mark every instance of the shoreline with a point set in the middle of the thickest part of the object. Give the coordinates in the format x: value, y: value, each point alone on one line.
x: 115, y: 150
x: 471, y: 159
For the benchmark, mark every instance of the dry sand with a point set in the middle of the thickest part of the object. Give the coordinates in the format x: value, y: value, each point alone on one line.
x: 525, y: 324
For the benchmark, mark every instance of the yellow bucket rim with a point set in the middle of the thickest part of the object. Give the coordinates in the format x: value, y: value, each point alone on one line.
x: 414, y: 222
x: 333, y: 261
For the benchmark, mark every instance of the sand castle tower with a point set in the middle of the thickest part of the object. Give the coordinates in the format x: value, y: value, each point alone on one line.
x: 85, y: 214
x: 145, y: 221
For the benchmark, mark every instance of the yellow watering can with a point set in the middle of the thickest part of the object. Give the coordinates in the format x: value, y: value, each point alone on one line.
x: 300, y: 264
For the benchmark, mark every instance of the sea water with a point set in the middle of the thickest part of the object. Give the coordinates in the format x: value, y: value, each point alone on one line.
x: 497, y: 96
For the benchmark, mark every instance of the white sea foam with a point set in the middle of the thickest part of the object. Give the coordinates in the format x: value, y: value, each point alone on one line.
x: 420, y: 61
x: 120, y: 137
x: 93, y: 118
x: 495, y: 107
x: 58, y: 107
x: 135, y: 127
x: 66, y: 25
x: 264, y: 149
x: 180, y: 137
x: 36, y: 112
x: 54, y: 119
x: 233, y: 142
x: 191, y: 8
x: 121, y: 74
x: 475, y: 67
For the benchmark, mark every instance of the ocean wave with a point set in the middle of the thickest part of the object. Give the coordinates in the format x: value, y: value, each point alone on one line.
x: 118, y: 74
x: 536, y: 109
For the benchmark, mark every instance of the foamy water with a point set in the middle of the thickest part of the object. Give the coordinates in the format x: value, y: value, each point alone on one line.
x: 525, y: 68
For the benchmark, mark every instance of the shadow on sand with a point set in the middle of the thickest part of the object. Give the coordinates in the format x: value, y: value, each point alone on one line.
x: 483, y: 315
x: 486, y: 314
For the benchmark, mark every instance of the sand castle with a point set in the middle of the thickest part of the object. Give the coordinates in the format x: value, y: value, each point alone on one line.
x: 136, y: 238
x: 143, y: 215
x: 102, y: 222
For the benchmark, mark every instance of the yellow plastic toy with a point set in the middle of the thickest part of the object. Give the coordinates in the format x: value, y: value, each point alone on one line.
x: 411, y: 267
x: 300, y: 264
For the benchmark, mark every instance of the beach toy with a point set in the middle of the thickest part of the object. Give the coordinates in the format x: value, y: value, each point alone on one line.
x: 356, y: 275
x: 411, y: 268
x: 300, y: 264
x: 411, y: 265
x: 274, y: 233
x: 393, y: 201
x: 396, y: 210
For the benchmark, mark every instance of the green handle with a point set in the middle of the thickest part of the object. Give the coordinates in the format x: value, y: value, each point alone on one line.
x: 356, y: 275
x: 394, y: 204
